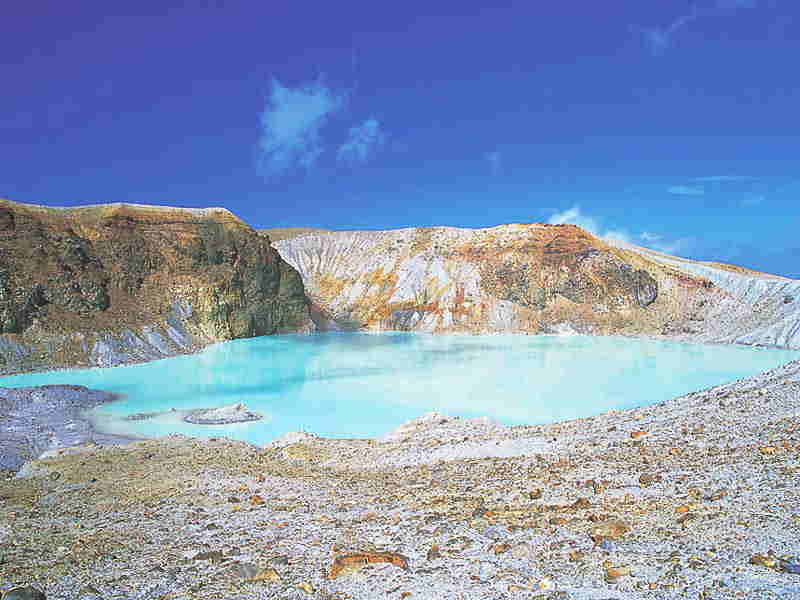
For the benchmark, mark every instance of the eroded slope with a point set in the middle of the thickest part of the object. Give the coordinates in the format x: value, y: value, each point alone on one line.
x: 534, y: 278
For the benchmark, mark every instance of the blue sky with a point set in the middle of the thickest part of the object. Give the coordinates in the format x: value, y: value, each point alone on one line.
x: 670, y: 124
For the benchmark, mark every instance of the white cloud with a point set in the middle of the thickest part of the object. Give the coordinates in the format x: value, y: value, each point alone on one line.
x: 659, y: 39
x: 495, y: 160
x: 686, y: 190
x: 649, y: 237
x: 656, y: 241
x: 291, y: 124
x: 574, y: 216
x: 362, y: 142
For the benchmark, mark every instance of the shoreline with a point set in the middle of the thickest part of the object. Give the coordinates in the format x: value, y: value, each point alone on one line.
x: 77, y: 416
x: 695, y: 496
x: 41, y: 419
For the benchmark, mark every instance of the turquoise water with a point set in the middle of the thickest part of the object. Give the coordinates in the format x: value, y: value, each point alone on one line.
x: 360, y: 384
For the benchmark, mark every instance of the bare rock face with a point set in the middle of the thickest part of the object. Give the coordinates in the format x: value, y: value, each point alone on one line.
x: 532, y: 278
x: 528, y: 278
x: 105, y: 284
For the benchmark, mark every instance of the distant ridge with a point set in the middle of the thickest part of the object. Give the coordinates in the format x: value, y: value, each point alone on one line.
x: 534, y: 278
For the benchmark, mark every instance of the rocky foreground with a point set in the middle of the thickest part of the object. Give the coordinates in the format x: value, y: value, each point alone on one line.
x: 693, y: 498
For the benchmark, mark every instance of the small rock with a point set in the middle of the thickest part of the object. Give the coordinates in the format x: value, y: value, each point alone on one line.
x: 576, y: 556
x: 647, y: 479
x: 580, y: 504
x: 609, y: 530
x: 486, y: 571
x: 350, y: 563
x: 501, y: 548
x: 266, y: 575
x: 244, y: 570
x: 88, y: 592
x: 479, y: 512
x: 433, y: 553
x: 764, y: 560
x: 522, y: 551
x: 496, y: 532
x: 24, y: 593
x: 793, y: 568
x: 718, y: 495
x: 614, y: 573
x: 607, y: 545
x: 212, y: 555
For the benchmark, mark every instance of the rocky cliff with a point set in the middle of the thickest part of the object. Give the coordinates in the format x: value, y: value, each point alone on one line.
x: 106, y: 284
x: 533, y: 278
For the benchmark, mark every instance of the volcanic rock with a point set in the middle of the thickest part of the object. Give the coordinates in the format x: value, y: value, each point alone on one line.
x: 114, y: 283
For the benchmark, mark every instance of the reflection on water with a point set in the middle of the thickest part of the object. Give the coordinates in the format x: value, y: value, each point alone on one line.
x: 356, y: 384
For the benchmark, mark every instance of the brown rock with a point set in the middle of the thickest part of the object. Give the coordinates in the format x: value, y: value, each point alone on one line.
x: 267, y: 575
x: 350, y: 563
x: 614, y: 573
x: 718, y: 495
x: 212, y: 555
x: 576, y: 556
x: 434, y: 553
x: 764, y: 560
x: 609, y: 530
x: 646, y: 479
x: 635, y: 435
x: 501, y: 548
x: 580, y: 504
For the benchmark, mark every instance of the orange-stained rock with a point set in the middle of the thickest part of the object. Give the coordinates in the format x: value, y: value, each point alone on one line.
x: 350, y: 563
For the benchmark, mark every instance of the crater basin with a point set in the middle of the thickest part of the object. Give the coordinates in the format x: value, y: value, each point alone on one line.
x: 365, y: 384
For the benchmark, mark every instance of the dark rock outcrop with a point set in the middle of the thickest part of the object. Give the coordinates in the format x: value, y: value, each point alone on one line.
x: 76, y: 281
